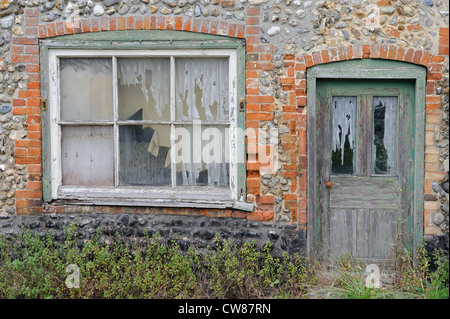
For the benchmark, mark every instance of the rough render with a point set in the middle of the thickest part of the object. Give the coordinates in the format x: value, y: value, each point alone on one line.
x: 283, y: 38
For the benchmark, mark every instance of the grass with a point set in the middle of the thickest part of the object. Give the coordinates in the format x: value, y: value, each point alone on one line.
x: 32, y: 266
x: 411, y: 279
x: 418, y: 279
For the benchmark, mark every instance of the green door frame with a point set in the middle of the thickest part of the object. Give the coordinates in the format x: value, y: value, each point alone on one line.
x: 366, y: 70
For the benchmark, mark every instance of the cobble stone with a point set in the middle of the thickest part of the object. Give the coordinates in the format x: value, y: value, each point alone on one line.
x: 186, y: 231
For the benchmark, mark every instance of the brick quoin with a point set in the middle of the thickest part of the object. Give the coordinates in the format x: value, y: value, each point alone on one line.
x: 260, y: 108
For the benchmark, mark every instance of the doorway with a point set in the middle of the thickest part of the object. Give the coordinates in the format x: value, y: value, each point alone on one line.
x: 364, y: 157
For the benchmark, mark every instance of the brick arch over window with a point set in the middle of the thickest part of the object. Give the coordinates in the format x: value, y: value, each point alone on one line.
x: 104, y: 24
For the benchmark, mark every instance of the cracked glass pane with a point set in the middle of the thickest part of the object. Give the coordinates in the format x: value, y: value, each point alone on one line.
x: 343, y: 134
x: 145, y: 155
x: 384, y: 147
x: 144, y: 88
x: 202, y: 89
x: 201, y: 155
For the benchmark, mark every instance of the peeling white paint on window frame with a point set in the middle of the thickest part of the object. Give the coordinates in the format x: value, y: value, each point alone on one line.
x: 170, y: 196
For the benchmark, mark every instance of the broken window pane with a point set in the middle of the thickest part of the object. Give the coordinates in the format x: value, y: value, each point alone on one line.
x: 202, y: 89
x: 384, y: 148
x: 87, y: 155
x: 202, y: 155
x: 343, y: 134
x: 86, y: 89
x: 143, y: 92
x: 144, y: 88
x: 145, y: 155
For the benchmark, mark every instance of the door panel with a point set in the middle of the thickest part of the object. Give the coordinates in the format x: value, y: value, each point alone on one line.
x: 342, y: 231
x: 382, y: 233
x: 364, y: 192
x: 363, y: 233
x: 364, y: 134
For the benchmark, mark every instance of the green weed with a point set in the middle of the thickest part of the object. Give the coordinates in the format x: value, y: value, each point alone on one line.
x: 32, y: 266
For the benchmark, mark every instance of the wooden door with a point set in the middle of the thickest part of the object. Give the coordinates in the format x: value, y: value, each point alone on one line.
x: 365, y: 171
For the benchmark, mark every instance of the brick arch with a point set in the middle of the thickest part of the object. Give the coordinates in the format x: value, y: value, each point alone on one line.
x: 104, y: 24
x: 433, y: 63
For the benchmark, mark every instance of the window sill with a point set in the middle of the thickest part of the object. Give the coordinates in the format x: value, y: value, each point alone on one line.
x: 196, y: 197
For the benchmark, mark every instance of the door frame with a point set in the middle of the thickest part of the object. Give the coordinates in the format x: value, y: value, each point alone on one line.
x: 367, y: 69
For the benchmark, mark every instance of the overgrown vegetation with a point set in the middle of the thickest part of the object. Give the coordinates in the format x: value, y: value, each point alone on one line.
x: 35, y: 267
x: 410, y: 279
x: 418, y: 279
x: 32, y: 266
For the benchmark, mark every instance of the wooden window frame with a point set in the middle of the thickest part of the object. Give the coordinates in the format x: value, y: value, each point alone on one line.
x: 142, y: 44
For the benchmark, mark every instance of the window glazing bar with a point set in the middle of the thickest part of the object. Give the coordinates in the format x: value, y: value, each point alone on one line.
x: 116, y: 127
x: 173, y: 170
x: 84, y: 123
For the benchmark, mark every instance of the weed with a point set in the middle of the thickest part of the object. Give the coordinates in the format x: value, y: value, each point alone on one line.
x: 34, y: 266
x: 416, y: 278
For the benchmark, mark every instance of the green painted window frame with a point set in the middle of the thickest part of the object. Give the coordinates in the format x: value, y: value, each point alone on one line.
x: 367, y: 69
x: 147, y: 40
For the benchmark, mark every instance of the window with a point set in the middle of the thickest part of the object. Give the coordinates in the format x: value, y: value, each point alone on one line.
x: 383, y: 141
x: 148, y: 126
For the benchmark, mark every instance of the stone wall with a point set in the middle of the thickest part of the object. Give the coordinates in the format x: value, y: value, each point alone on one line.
x: 197, y: 232
x: 283, y: 39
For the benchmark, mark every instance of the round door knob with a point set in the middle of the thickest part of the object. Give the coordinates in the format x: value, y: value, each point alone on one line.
x: 329, y: 184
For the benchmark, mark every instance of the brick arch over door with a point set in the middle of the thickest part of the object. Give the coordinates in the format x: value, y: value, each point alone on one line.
x: 434, y: 63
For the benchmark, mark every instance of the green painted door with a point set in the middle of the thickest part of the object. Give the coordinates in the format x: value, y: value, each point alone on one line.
x: 364, y: 167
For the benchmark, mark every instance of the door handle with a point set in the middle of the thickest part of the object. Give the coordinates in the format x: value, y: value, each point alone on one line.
x: 329, y: 184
